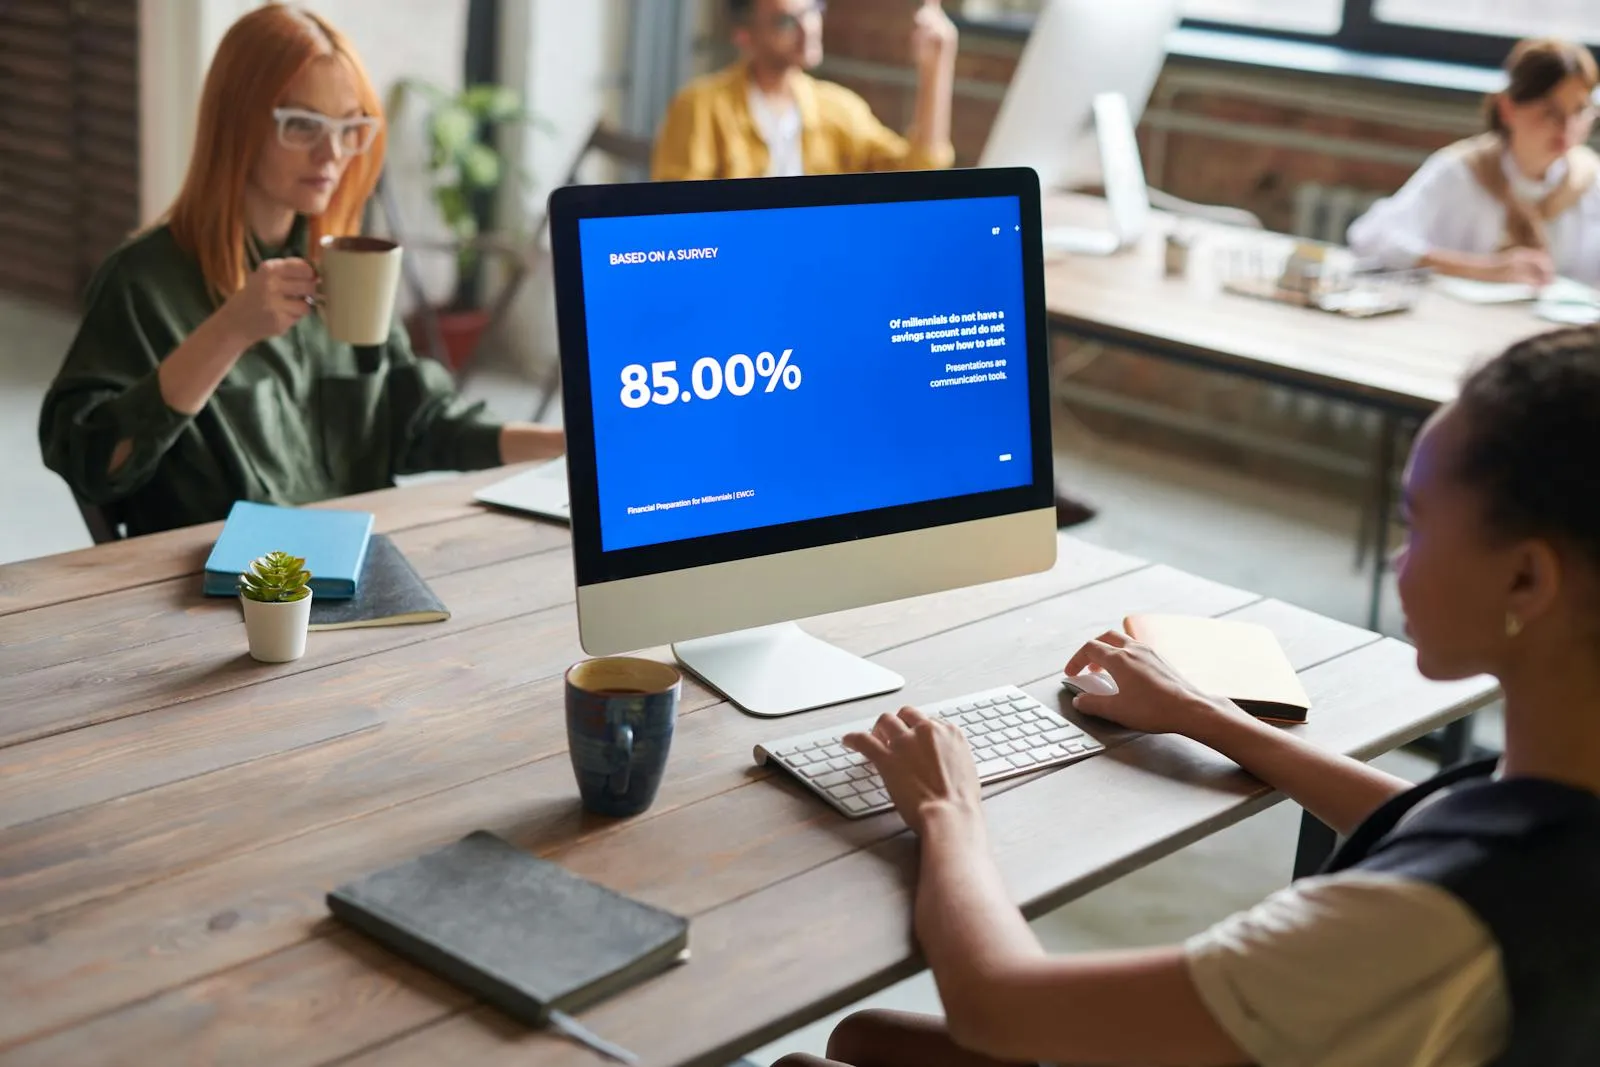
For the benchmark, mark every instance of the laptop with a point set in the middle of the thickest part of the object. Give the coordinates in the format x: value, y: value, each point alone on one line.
x: 541, y: 491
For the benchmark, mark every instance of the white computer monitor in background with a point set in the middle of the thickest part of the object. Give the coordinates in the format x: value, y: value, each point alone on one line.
x: 792, y: 396
x: 1055, y: 117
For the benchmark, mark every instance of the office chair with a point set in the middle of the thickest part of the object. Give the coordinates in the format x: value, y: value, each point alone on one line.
x: 632, y: 153
x: 103, y: 521
x: 522, y: 256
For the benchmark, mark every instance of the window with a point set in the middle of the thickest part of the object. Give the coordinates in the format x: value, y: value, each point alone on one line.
x: 1304, y: 16
x: 1476, y: 32
x: 1497, y: 18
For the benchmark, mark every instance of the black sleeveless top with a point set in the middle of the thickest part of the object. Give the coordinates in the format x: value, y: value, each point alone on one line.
x: 1524, y: 856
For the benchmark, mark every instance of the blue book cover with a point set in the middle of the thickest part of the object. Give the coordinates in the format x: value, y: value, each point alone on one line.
x: 333, y: 544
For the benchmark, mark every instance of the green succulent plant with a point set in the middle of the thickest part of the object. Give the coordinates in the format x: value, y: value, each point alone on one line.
x: 275, y: 578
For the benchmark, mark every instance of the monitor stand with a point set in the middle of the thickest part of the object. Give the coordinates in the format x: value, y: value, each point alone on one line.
x: 779, y: 670
x: 1081, y: 240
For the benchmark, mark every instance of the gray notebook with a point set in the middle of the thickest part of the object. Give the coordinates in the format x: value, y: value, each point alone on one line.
x: 390, y: 593
x: 519, y: 932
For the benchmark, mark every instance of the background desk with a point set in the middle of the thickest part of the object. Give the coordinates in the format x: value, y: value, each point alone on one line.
x: 1402, y: 366
x: 171, y: 812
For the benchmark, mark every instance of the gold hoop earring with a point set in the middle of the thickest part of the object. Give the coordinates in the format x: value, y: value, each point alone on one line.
x: 1513, y: 625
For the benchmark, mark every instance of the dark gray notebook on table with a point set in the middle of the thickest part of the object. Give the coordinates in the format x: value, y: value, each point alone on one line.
x: 390, y: 593
x: 519, y: 932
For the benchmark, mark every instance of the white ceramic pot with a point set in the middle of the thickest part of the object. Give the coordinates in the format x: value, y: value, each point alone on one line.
x: 277, y: 632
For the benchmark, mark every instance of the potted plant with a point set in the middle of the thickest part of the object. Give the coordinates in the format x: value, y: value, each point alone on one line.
x: 276, y: 598
x: 464, y: 171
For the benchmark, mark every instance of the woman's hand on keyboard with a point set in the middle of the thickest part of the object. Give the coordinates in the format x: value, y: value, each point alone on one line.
x: 926, y: 765
x: 1150, y: 695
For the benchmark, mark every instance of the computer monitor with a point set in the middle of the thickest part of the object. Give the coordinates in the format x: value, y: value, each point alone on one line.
x: 787, y: 397
x: 1077, y: 50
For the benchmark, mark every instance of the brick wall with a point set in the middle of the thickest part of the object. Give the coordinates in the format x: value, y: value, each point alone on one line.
x: 868, y: 41
x: 1214, y: 135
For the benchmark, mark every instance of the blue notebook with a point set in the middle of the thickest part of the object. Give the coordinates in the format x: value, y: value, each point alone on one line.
x: 333, y: 543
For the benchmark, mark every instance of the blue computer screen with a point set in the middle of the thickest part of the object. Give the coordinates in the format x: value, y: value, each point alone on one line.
x: 752, y: 368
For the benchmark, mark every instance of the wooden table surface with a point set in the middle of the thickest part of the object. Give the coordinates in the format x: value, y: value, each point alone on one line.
x: 1409, y: 362
x: 171, y: 813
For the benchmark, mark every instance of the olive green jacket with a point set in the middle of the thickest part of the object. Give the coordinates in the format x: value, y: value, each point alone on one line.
x: 294, y: 421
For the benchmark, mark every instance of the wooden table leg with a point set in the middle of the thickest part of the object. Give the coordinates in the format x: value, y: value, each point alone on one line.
x: 1383, y: 504
x: 1317, y: 841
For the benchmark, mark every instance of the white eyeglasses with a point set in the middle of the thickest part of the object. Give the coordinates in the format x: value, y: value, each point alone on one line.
x: 299, y: 128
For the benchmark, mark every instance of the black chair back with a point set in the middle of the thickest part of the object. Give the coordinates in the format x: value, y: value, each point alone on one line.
x: 102, y: 520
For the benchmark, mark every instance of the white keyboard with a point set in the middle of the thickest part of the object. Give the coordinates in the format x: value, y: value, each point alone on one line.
x: 1010, y: 733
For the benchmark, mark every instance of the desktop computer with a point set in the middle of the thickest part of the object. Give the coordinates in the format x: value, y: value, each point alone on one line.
x: 792, y: 396
x: 1070, y: 112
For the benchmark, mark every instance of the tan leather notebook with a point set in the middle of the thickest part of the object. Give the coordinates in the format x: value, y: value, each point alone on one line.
x: 1237, y: 660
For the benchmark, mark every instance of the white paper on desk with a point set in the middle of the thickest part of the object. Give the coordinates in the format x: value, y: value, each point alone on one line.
x: 1567, y: 291
x: 1475, y: 292
x: 1560, y: 291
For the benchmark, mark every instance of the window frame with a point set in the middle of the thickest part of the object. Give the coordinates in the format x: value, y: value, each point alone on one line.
x: 1360, y: 31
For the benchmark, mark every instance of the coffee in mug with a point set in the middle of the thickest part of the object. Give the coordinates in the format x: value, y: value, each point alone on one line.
x: 360, y: 276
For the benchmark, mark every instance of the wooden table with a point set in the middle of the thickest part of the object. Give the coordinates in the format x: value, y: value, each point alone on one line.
x: 171, y: 812
x: 1402, y: 366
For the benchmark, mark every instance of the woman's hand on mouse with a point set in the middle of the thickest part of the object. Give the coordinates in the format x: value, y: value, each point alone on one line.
x: 1150, y: 695
x: 276, y: 295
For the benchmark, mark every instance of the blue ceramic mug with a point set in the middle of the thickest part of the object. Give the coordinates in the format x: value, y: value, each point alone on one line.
x: 620, y: 715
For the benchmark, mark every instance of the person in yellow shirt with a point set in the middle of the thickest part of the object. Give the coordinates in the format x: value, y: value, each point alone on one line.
x: 766, y: 117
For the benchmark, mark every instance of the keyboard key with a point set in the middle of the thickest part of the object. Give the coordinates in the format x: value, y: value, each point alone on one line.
x: 859, y: 772
x: 993, y: 767
x: 1022, y: 759
x: 829, y: 781
x: 969, y: 706
x: 876, y: 797
x: 800, y: 759
x: 814, y: 770
x: 1060, y: 733
x: 1006, y: 748
x: 1026, y: 705
x: 1052, y: 752
x: 855, y: 805
x: 1014, y: 734
x: 1032, y: 728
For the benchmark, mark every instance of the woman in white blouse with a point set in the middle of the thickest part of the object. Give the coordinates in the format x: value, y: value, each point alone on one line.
x: 1520, y: 203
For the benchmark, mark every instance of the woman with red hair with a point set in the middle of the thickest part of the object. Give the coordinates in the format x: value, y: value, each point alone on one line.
x: 200, y: 374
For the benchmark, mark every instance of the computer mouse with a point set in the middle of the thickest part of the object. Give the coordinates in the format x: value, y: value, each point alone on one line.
x: 1095, y: 683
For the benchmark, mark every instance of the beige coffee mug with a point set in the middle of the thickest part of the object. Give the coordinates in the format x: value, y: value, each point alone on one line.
x: 360, y: 276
